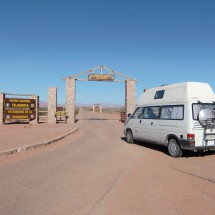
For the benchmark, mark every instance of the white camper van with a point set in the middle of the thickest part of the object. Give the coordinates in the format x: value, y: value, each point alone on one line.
x: 180, y: 116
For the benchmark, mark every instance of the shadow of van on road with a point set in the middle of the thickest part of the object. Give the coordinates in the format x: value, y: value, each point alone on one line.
x: 148, y: 145
x: 163, y: 149
x: 188, y: 154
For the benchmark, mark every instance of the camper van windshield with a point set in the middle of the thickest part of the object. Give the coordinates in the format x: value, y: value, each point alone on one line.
x: 199, y: 106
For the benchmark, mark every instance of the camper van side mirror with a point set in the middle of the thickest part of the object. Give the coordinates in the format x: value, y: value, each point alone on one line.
x: 129, y: 115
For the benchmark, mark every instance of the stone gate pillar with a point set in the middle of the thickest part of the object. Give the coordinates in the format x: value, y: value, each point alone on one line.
x: 52, y: 105
x: 70, y: 100
x: 2, y: 96
x: 130, y: 94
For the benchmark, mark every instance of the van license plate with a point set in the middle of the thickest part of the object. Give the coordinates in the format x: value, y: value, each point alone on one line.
x: 210, y: 137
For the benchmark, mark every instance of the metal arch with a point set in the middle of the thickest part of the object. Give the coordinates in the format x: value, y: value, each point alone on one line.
x: 101, y: 68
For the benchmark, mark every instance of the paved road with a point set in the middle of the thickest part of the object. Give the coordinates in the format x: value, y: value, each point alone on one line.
x: 94, y: 171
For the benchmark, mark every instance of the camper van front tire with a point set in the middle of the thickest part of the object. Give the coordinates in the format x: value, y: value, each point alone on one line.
x: 129, y: 137
x: 174, y: 148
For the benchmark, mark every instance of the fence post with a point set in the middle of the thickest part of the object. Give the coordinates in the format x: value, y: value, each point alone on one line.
x: 123, y: 117
x: 36, y: 120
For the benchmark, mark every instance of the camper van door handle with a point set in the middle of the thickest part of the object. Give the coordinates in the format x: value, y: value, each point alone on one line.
x: 151, y: 123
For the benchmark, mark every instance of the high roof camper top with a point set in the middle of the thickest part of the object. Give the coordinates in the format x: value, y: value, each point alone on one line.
x: 179, y: 92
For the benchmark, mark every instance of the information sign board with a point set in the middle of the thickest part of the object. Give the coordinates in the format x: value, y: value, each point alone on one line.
x: 19, y: 109
x: 61, y: 113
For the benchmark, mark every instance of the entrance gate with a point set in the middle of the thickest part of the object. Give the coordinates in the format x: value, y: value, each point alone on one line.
x: 99, y: 73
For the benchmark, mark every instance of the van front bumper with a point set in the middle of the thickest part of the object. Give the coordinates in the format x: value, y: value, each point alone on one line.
x: 188, y: 145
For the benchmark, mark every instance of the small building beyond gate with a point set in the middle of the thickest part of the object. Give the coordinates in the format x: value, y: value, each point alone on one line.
x: 97, y: 108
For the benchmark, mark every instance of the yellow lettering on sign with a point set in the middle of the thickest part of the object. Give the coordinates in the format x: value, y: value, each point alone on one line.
x: 24, y: 101
x: 19, y: 116
x: 20, y: 105
x: 15, y: 111
x: 101, y: 77
x: 28, y: 111
x: 13, y: 100
x: 20, y: 100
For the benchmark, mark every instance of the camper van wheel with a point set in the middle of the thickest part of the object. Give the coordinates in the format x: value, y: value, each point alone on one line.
x: 174, y: 148
x: 129, y: 137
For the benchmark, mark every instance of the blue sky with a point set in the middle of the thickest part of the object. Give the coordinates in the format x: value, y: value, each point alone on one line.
x: 154, y: 41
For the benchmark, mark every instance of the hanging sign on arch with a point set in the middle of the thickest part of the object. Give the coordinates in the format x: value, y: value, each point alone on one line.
x: 101, y: 77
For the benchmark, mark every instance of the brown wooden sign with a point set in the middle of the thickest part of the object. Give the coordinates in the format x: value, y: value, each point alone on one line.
x: 19, y: 109
x: 10, y: 114
x: 19, y: 103
x: 100, y: 77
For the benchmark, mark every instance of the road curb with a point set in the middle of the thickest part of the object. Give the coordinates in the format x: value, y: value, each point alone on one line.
x: 36, y: 145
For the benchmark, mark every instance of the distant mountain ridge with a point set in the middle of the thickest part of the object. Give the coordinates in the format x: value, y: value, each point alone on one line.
x: 106, y: 105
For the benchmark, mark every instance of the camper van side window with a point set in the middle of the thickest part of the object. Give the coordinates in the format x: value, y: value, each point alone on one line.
x: 138, y: 114
x: 159, y: 94
x: 151, y: 112
x: 172, y: 112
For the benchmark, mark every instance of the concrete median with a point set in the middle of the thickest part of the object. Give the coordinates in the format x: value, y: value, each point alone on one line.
x: 17, y: 138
